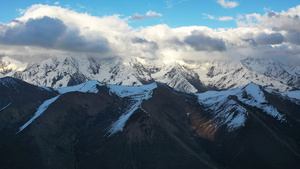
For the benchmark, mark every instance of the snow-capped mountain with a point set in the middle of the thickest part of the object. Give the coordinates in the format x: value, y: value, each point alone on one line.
x: 149, y: 126
x: 234, y: 74
x: 9, y: 66
x: 192, y: 76
x: 230, y: 107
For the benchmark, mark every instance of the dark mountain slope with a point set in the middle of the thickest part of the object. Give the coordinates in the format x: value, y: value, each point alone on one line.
x: 154, y: 126
x: 263, y: 141
x: 18, y: 100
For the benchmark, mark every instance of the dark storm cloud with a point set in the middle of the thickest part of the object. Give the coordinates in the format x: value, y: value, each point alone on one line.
x: 73, y: 41
x: 152, y: 45
x: 201, y: 42
x: 139, y: 40
x: 296, y: 17
x: 293, y: 37
x: 174, y: 43
x: 272, y: 39
x: 40, y: 32
x: 51, y: 33
x: 251, y: 41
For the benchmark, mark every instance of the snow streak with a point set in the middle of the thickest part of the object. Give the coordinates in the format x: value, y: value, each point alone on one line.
x: 5, y: 106
x: 39, y: 111
x: 137, y: 95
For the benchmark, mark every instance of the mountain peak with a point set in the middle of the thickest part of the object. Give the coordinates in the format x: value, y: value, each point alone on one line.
x: 192, y: 76
x: 9, y: 64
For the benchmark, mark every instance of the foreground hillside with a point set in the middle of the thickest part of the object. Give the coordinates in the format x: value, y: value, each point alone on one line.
x: 92, y: 125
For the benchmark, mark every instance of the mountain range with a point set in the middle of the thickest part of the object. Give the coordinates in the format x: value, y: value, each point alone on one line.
x: 192, y: 76
x: 96, y: 125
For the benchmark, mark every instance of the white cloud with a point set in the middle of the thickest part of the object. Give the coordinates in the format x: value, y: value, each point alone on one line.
x: 228, y: 4
x: 43, y: 31
x: 225, y: 18
x: 209, y: 16
x: 56, y: 3
x: 285, y: 20
x: 21, y: 11
x: 153, y: 14
x: 149, y: 15
x: 88, y: 33
x: 221, y: 18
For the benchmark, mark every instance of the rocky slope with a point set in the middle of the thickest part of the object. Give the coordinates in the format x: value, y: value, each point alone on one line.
x: 92, y: 125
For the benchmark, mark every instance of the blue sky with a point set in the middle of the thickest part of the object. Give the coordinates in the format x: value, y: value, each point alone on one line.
x: 171, y: 29
x: 175, y: 13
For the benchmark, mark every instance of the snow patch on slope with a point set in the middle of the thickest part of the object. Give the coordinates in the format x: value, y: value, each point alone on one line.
x: 120, y: 123
x: 39, y: 111
x: 5, y: 106
x: 133, y: 91
x: 254, y: 91
x: 238, y: 121
x: 211, y: 97
x: 228, y: 112
x: 258, y: 100
x: 293, y: 94
x: 137, y: 95
x: 87, y: 87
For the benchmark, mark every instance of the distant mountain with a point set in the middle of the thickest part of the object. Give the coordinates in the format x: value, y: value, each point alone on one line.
x: 192, y: 76
x: 9, y: 66
x: 92, y: 125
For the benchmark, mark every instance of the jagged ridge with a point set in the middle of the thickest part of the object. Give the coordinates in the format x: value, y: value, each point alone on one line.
x: 192, y: 76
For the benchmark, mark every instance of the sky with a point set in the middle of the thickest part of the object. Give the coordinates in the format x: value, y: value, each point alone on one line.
x: 32, y: 30
x: 174, y: 13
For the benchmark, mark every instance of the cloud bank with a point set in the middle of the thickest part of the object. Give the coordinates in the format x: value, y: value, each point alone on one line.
x: 44, y: 31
